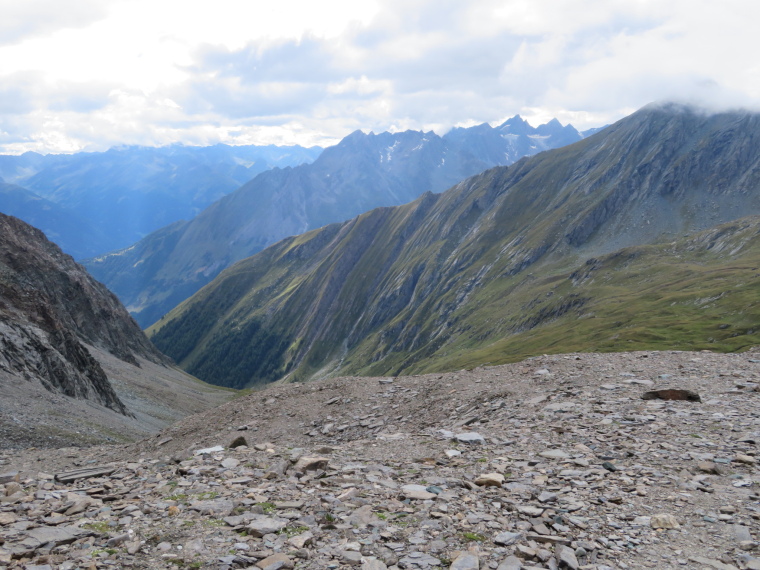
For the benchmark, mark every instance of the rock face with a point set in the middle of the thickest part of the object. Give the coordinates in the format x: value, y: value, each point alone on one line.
x: 50, y: 307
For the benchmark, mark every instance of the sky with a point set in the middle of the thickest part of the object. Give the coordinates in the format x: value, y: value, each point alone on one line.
x: 91, y: 74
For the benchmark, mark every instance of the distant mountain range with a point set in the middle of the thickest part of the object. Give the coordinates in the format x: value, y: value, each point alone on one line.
x: 362, y: 172
x: 630, y: 238
x: 114, y: 198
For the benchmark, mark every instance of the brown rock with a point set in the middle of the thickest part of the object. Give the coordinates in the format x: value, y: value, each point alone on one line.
x: 672, y: 394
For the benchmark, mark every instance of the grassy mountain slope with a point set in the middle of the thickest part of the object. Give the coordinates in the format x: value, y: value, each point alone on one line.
x: 422, y: 285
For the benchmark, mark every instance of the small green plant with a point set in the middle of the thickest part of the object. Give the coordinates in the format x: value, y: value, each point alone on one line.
x: 207, y: 495
x: 179, y: 497
x: 109, y: 551
x: 268, y: 507
x: 382, y: 516
x: 482, y: 460
x: 172, y: 484
x: 473, y: 536
x: 291, y: 531
x: 100, y: 527
x: 214, y: 522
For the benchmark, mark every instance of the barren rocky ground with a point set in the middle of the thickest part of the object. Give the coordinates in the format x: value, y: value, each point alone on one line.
x: 554, y: 462
x: 155, y: 395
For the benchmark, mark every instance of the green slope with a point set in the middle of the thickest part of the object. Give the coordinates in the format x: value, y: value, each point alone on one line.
x: 482, y: 272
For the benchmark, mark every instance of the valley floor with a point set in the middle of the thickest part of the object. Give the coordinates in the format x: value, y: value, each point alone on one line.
x: 553, y: 462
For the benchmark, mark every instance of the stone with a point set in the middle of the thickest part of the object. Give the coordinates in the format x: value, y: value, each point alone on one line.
x: 301, y: 540
x: 470, y: 437
x: 8, y: 518
x: 566, y: 557
x: 555, y: 454
x: 209, y: 450
x: 746, y: 459
x: 507, y: 538
x: 57, y: 535
x: 266, y: 525
x: 417, y: 492
x: 276, y: 562
x: 741, y: 533
x: 490, y: 480
x: 305, y: 464
x: 85, y: 473
x: 373, y: 564
x: 465, y: 561
x: 8, y: 476
x: 547, y: 497
x: 510, y: 563
x: 672, y: 394
x: 230, y: 463
x: 711, y: 563
x: 664, y: 521
x: 708, y: 467
x: 239, y: 441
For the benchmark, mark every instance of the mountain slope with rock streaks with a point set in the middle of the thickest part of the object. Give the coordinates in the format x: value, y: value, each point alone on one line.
x: 363, y: 171
x: 503, y: 265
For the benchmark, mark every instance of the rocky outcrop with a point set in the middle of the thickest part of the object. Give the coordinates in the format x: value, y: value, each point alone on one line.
x: 49, y: 308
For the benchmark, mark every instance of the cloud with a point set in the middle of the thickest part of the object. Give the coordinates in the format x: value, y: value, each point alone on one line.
x: 23, y: 19
x: 309, y: 72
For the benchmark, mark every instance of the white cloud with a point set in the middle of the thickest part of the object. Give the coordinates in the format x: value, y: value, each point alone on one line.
x: 90, y: 74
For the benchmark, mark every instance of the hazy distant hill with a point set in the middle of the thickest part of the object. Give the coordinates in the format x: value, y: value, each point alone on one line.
x: 125, y: 193
x: 64, y: 226
x: 363, y: 171
x: 547, y: 255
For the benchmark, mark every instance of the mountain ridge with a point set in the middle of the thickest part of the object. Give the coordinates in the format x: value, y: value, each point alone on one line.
x: 398, y: 285
x: 127, y: 192
x: 361, y: 172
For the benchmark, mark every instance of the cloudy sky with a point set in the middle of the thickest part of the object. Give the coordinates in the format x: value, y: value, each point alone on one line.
x: 91, y: 74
